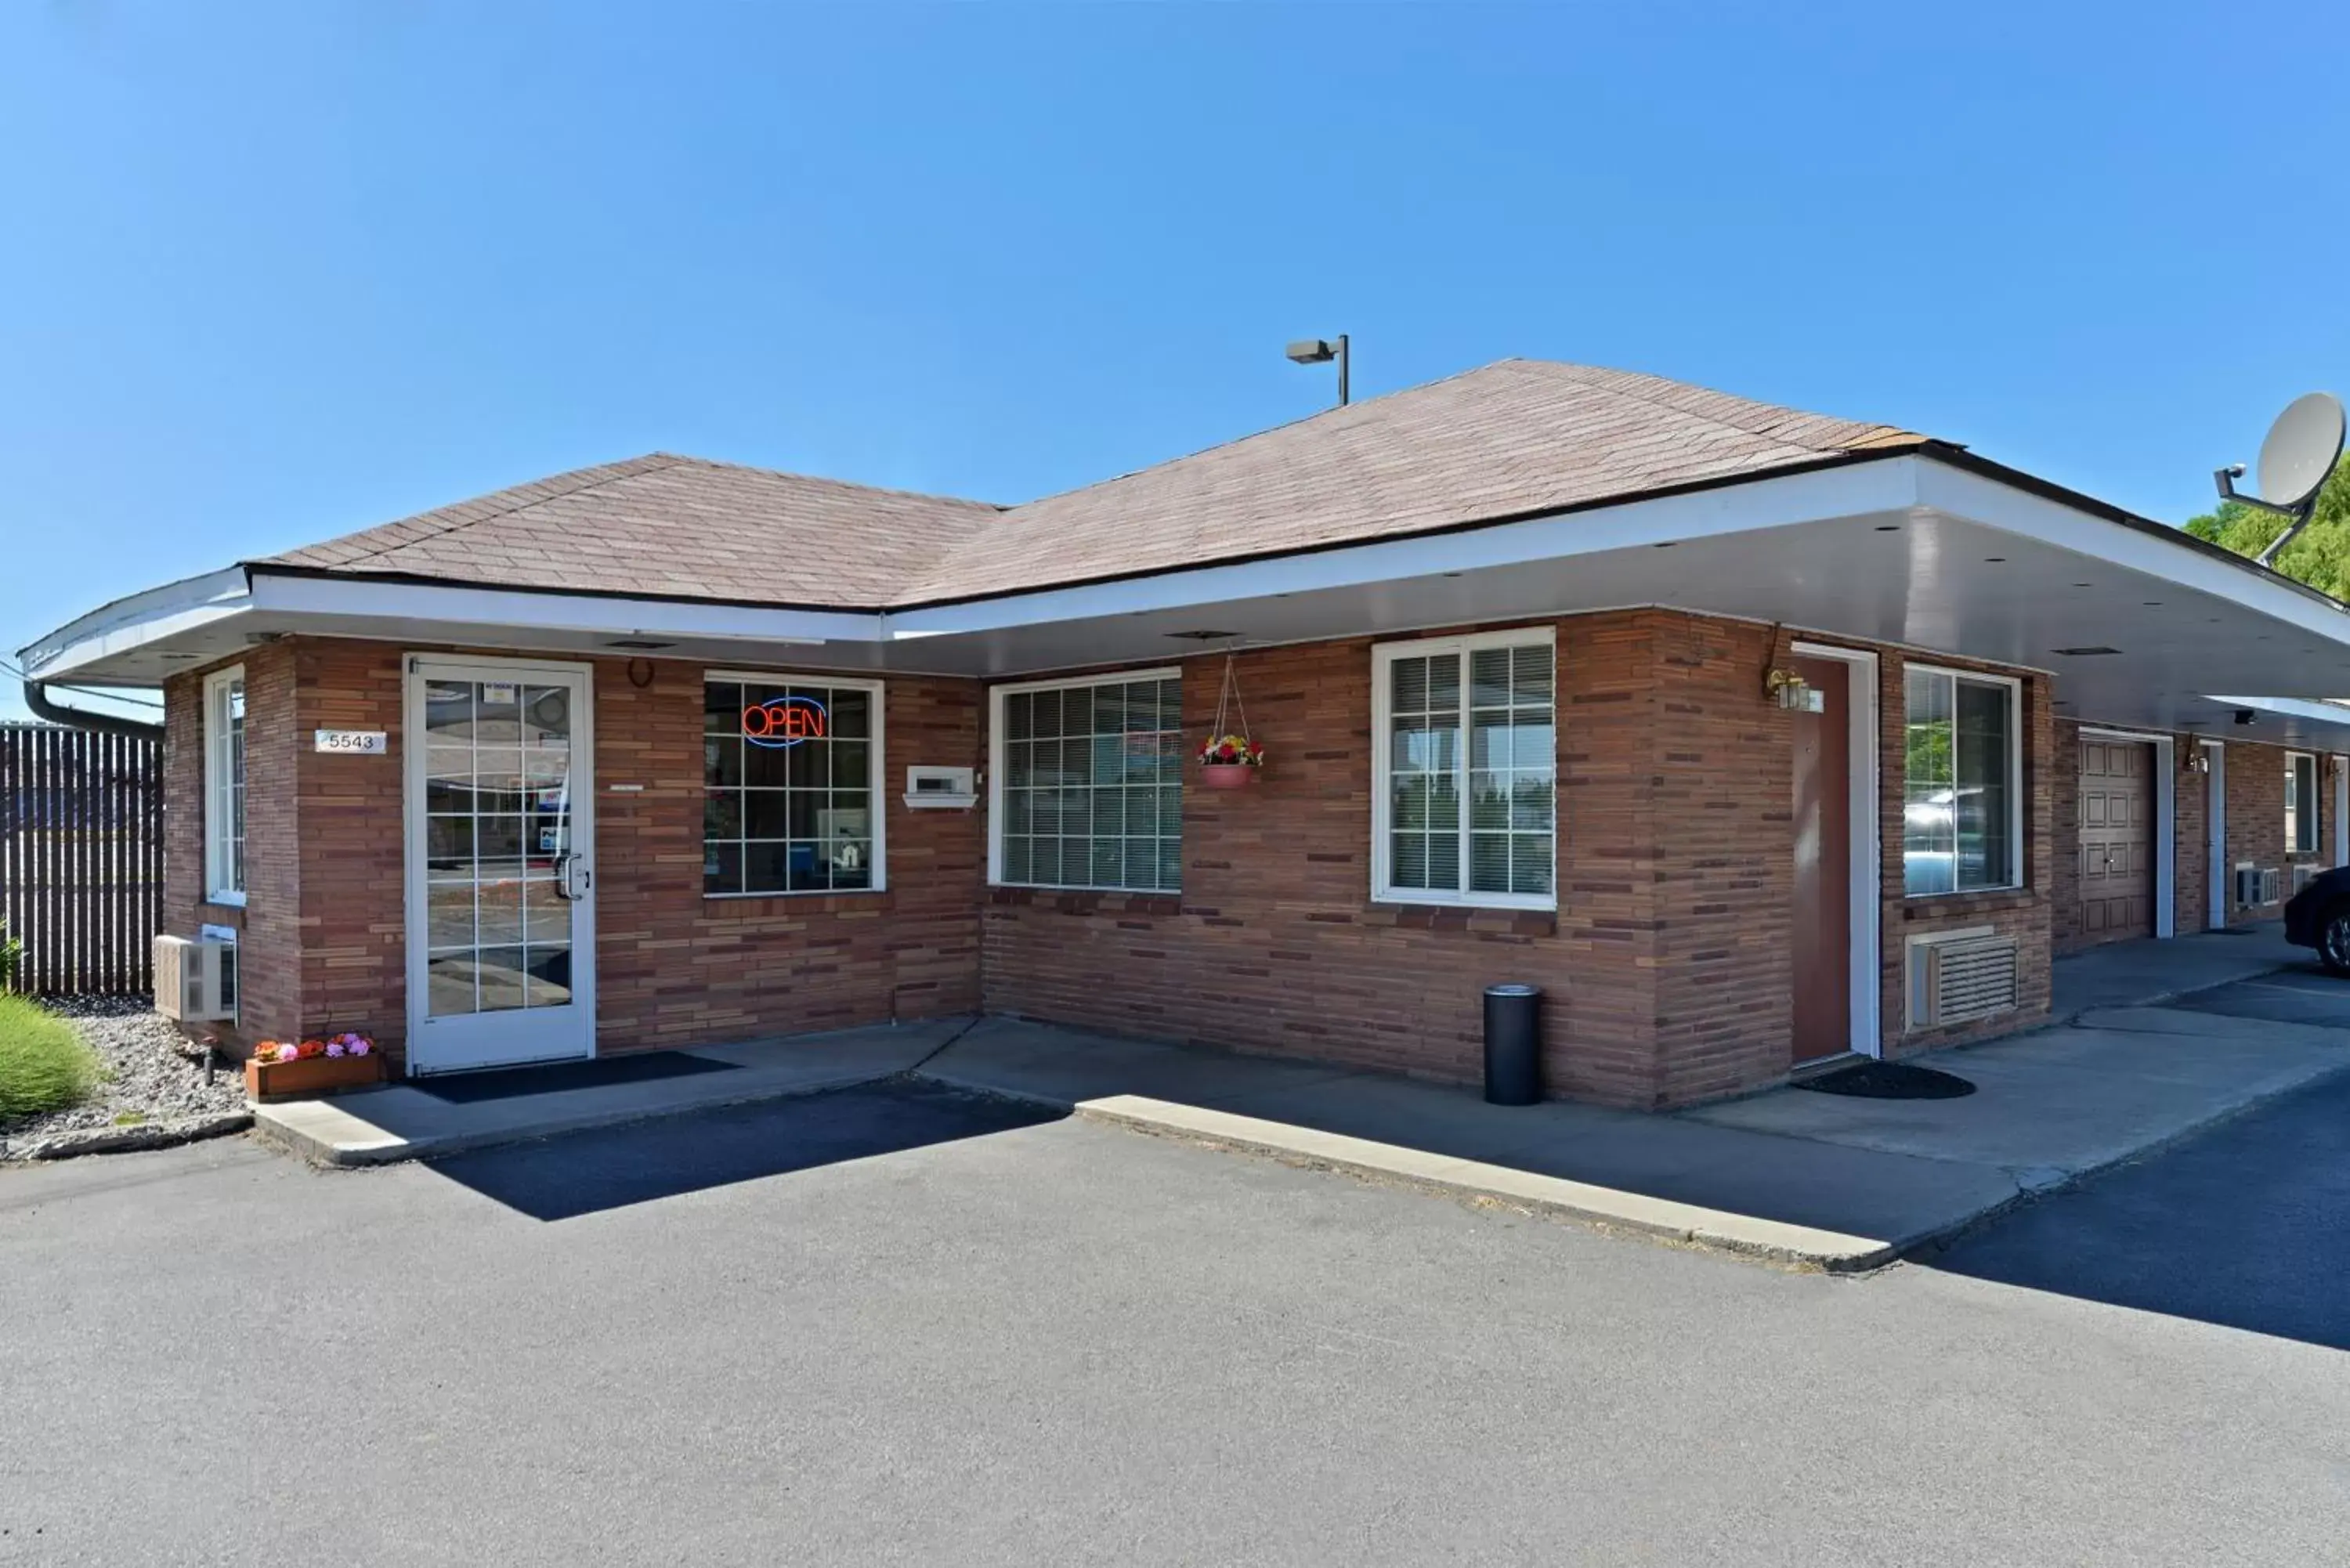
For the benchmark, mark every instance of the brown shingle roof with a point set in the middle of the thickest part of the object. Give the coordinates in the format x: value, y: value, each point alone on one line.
x: 678, y: 526
x: 1515, y: 438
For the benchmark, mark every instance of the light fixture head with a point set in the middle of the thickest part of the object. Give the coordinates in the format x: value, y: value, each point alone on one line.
x: 1311, y: 351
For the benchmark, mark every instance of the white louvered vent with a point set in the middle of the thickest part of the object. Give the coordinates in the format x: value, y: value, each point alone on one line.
x: 1957, y: 976
x: 2303, y: 876
x: 2272, y: 885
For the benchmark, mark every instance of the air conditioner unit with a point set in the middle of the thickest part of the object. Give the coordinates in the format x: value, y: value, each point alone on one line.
x: 1957, y: 976
x: 2248, y: 884
x: 2272, y: 885
x: 195, y: 982
x: 2303, y: 876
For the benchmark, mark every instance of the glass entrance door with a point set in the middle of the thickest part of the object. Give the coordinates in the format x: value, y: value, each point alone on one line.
x: 501, y: 879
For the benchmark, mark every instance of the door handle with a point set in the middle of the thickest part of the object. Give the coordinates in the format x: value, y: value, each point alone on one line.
x: 572, y: 879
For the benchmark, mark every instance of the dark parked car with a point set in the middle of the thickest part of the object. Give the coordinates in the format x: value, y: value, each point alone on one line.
x: 2319, y: 917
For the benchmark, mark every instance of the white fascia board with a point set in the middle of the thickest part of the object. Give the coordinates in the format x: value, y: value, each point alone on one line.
x: 457, y: 604
x: 143, y: 618
x: 1980, y: 499
x: 1884, y: 485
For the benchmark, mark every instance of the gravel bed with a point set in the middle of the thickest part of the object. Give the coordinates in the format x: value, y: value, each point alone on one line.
x: 147, y: 1078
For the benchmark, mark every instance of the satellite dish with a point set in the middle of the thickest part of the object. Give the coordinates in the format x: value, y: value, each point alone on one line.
x: 2301, y: 448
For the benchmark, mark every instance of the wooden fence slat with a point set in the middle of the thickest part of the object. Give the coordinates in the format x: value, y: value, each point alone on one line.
x: 81, y: 857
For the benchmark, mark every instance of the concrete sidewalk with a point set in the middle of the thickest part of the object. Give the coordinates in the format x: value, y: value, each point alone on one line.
x: 2140, y: 973
x: 1814, y: 1179
x: 383, y: 1126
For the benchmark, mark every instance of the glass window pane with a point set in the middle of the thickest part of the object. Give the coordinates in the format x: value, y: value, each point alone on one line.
x: 1017, y: 860
x: 766, y: 867
x: 1534, y: 799
x: 722, y: 868
x: 449, y: 915
x: 547, y: 977
x: 1928, y: 839
x: 546, y: 716
x: 449, y: 983
x: 722, y: 707
x: 1530, y: 863
x: 722, y: 760
x: 1489, y: 862
x: 1530, y: 674
x: 545, y: 913
x: 766, y: 813
x: 1489, y: 678
x: 1983, y: 743
x: 1019, y: 716
x: 498, y: 907
x: 449, y: 714
x: 721, y: 814
x: 851, y: 711
x: 1488, y: 800
x: 498, y: 973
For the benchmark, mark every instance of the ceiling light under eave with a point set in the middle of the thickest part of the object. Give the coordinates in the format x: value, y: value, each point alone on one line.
x: 2097, y: 650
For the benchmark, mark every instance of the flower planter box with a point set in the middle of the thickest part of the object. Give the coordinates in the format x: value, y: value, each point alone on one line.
x: 310, y: 1075
x: 1228, y: 775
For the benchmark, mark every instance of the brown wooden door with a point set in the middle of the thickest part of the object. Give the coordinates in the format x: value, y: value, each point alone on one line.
x: 2116, y: 840
x: 1823, y: 912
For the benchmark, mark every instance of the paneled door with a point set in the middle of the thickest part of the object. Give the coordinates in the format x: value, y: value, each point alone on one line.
x: 500, y: 863
x: 2116, y: 839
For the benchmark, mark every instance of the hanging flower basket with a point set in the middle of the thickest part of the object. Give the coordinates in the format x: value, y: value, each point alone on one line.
x: 1230, y: 759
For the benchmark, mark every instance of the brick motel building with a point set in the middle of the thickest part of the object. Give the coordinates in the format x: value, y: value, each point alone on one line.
x: 1755, y: 738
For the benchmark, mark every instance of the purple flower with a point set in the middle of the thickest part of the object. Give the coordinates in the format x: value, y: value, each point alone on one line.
x: 335, y: 1046
x: 359, y: 1047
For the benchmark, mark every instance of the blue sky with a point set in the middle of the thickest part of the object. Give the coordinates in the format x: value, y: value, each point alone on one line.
x: 276, y: 271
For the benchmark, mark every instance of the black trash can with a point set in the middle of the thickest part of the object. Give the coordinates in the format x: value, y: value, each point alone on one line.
x: 1512, y: 1044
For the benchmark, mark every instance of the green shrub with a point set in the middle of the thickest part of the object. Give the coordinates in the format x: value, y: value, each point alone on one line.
x: 44, y: 1065
x: 12, y: 953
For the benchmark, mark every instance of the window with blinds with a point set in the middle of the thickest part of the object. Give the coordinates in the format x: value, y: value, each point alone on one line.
x: 1465, y: 800
x: 1087, y: 786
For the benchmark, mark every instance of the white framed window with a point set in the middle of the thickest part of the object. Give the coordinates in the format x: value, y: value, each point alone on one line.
x: 1962, y: 799
x: 224, y: 736
x: 2301, y: 807
x: 1464, y: 788
x: 791, y: 775
x: 1085, y: 782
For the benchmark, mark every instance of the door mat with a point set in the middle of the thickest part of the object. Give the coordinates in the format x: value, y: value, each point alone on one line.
x: 506, y: 1082
x: 1888, y: 1081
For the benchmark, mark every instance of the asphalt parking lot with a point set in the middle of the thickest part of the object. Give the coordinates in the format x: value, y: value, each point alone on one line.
x: 894, y: 1325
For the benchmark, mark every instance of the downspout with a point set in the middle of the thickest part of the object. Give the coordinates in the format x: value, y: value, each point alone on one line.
x: 37, y: 698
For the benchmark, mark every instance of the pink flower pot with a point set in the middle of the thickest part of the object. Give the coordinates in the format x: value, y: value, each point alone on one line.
x: 1227, y: 775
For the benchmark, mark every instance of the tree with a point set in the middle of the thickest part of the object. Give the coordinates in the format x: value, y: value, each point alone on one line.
x: 2320, y: 556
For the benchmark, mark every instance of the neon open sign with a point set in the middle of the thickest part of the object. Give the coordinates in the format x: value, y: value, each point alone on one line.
x: 784, y: 721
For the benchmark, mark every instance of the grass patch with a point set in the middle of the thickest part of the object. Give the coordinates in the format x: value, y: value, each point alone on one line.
x: 44, y: 1065
x: 129, y: 1119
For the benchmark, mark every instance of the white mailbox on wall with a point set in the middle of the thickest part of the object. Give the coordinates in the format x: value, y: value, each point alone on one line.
x: 940, y: 789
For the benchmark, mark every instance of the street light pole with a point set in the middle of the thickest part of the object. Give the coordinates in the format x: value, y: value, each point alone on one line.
x: 1321, y: 351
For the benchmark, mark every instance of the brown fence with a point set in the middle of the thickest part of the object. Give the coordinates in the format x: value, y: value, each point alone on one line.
x: 81, y: 857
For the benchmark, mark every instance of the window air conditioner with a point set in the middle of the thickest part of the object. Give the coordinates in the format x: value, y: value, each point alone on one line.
x: 195, y: 980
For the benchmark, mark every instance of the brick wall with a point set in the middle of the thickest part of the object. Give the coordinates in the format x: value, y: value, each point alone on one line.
x: 1666, y: 965
x: 2256, y: 823
x: 324, y: 943
x: 1665, y: 970
x: 268, y: 925
x: 2023, y: 912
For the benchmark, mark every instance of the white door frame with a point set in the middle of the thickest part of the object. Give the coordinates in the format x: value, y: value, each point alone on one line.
x: 416, y: 669
x: 2215, y: 811
x: 2166, y: 818
x: 1865, y: 762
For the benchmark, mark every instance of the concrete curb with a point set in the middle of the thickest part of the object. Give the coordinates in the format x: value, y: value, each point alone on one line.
x: 309, y: 1129
x: 131, y: 1139
x: 1686, y: 1225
